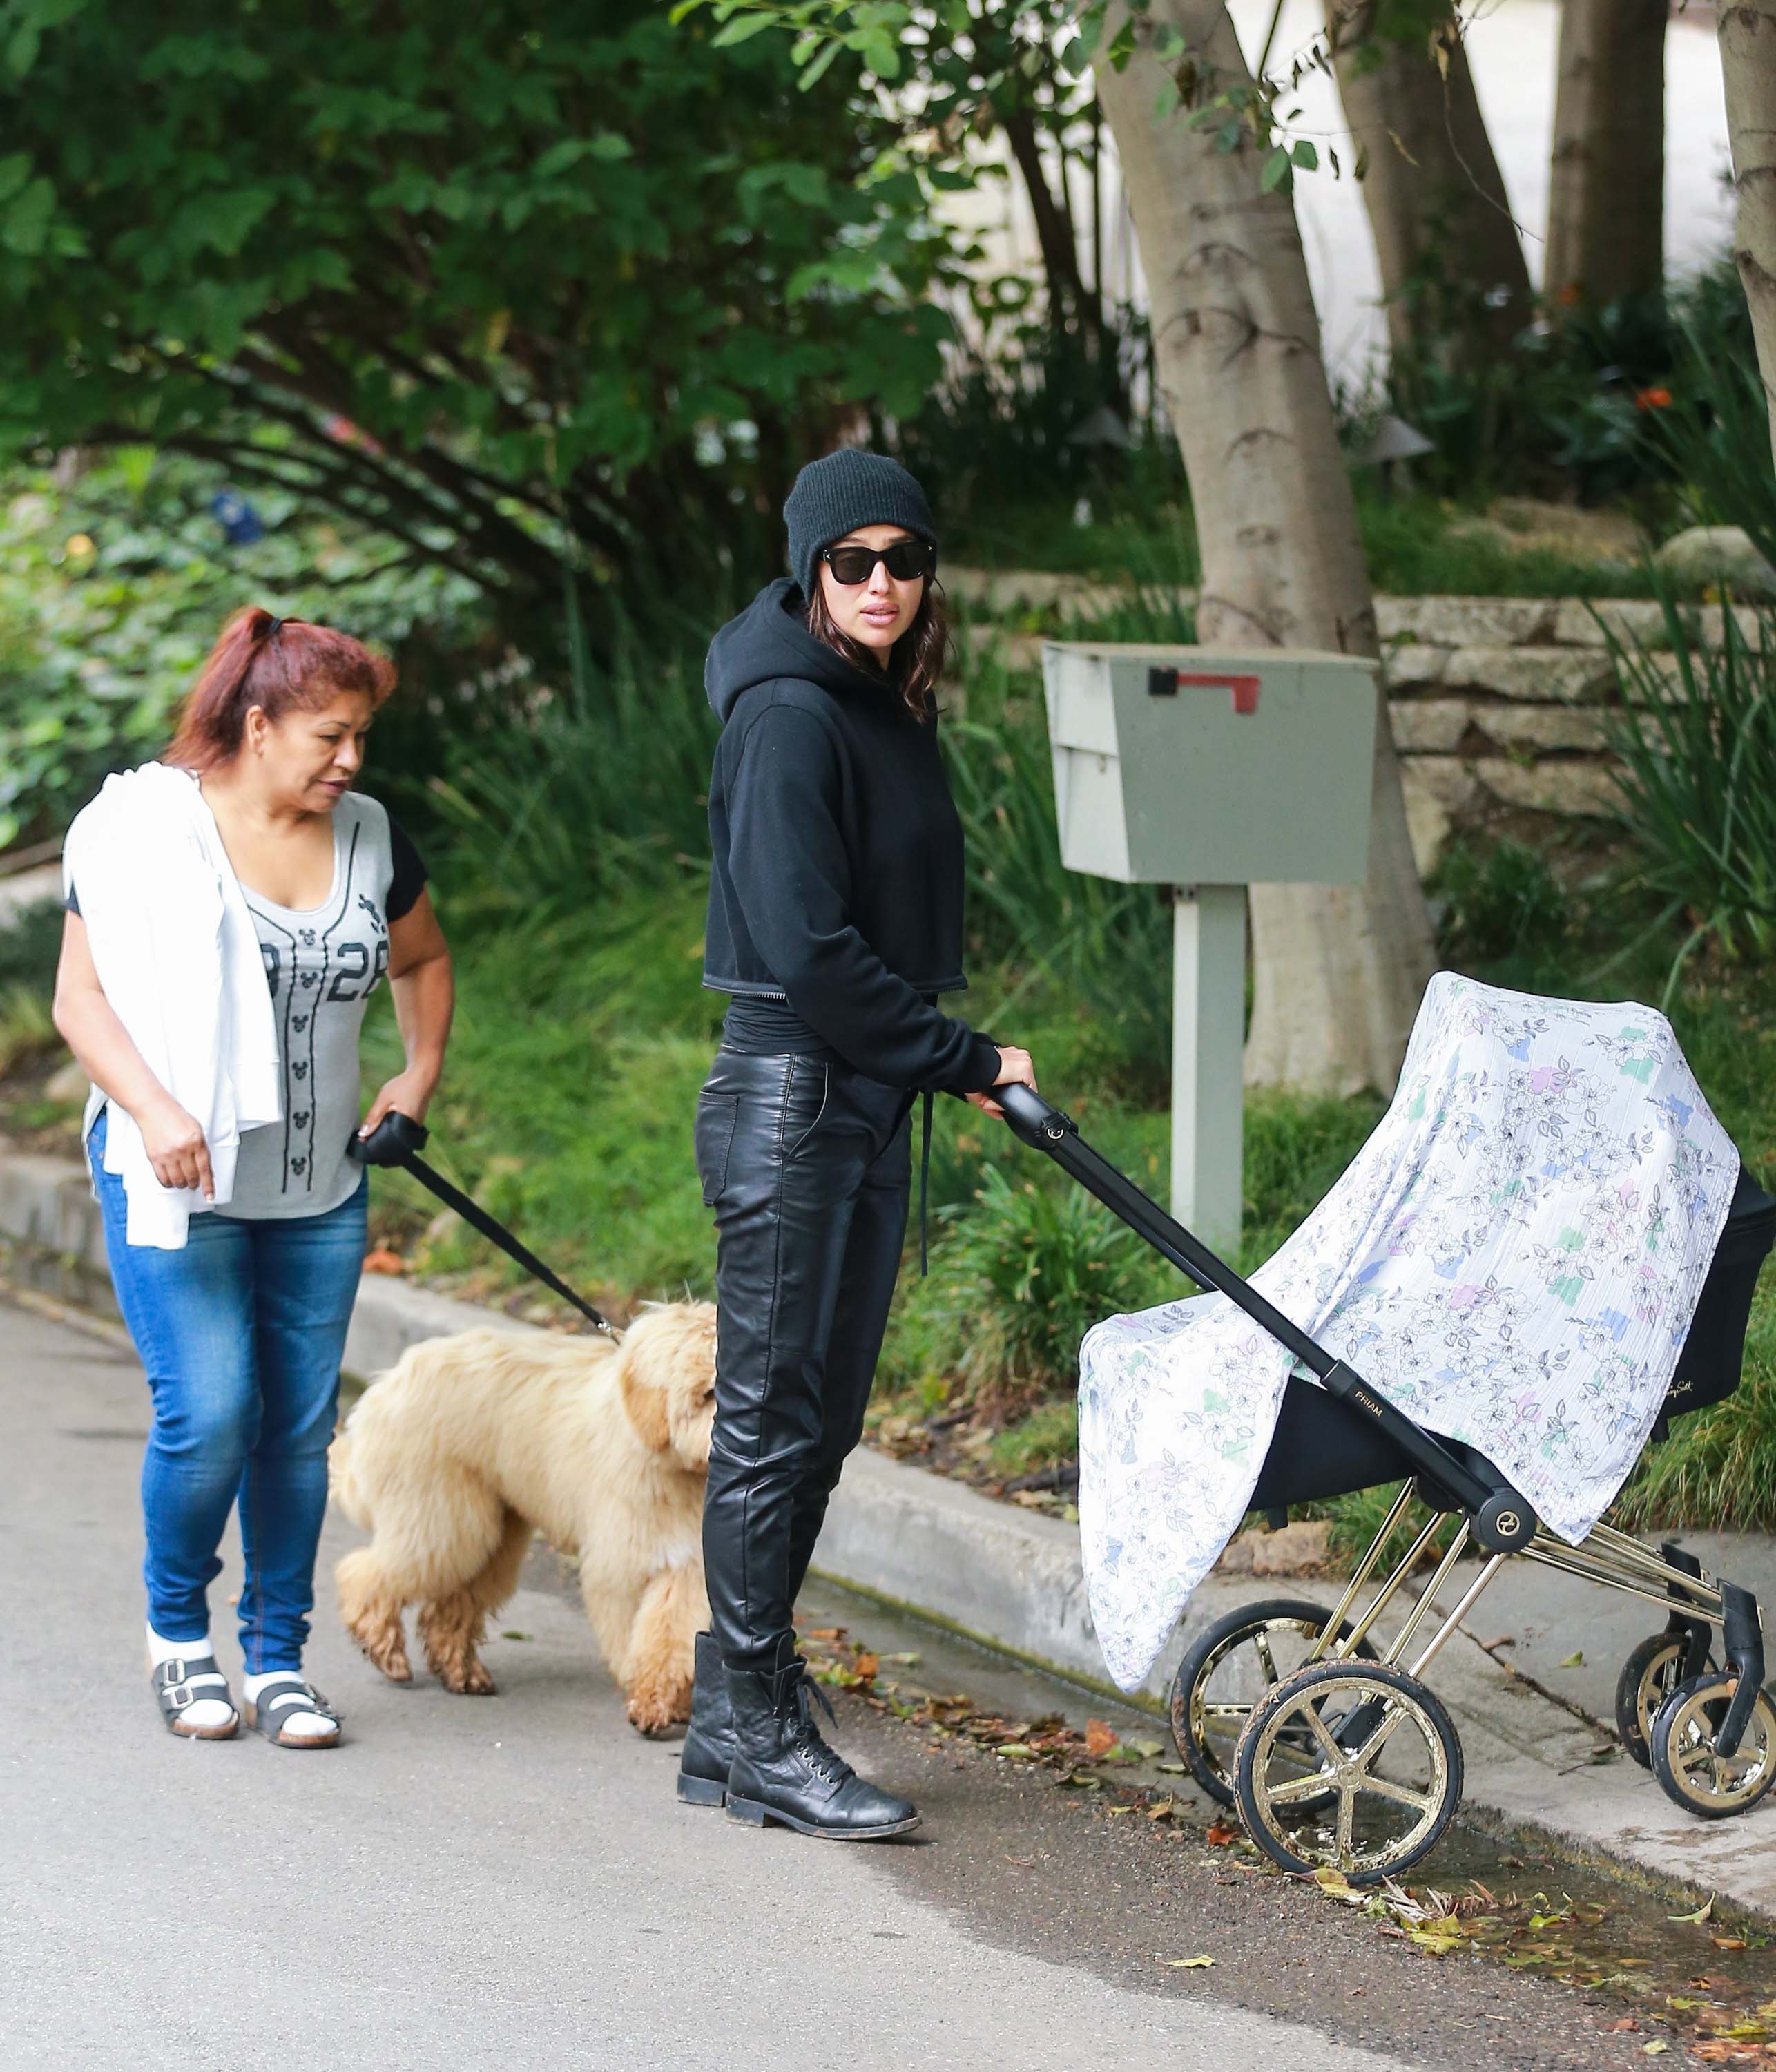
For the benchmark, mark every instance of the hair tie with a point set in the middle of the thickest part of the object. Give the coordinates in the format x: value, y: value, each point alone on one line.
x: 271, y: 631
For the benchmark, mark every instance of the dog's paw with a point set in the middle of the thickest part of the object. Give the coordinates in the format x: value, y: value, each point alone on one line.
x: 388, y: 1654
x: 469, y: 1680
x: 656, y: 1717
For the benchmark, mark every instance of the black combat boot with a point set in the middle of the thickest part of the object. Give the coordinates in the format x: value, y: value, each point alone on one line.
x: 709, y: 1739
x: 783, y: 1771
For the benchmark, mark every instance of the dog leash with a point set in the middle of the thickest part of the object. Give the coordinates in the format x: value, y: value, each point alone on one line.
x: 397, y: 1140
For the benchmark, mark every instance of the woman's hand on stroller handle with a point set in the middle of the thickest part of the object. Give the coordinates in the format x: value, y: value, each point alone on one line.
x: 1015, y: 1069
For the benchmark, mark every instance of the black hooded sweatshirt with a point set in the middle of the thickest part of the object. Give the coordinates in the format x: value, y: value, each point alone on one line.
x: 837, y: 879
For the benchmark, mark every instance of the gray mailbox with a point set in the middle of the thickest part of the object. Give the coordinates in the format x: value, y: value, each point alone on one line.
x: 1209, y: 770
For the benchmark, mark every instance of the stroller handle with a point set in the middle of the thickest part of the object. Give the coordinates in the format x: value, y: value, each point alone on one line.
x: 1033, y: 1121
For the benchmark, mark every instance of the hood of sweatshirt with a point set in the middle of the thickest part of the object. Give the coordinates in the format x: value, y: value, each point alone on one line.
x: 768, y: 641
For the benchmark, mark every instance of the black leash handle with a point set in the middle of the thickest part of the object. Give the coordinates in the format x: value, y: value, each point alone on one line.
x: 397, y: 1140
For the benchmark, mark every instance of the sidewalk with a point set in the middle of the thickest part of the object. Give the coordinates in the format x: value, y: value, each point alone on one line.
x: 468, y: 1885
x: 1545, y: 1759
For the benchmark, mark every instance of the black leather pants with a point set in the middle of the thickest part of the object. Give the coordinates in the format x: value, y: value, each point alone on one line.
x: 808, y: 1166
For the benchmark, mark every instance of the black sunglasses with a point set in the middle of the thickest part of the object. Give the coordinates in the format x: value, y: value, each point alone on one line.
x: 903, y: 561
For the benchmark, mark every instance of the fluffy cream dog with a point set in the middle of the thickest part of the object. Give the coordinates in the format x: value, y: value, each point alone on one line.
x: 454, y: 1457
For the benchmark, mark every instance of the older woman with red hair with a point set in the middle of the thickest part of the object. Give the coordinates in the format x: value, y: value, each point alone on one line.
x: 232, y: 907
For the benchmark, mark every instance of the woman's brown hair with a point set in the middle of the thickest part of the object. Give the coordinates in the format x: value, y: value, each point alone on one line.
x: 282, y: 665
x: 917, y: 659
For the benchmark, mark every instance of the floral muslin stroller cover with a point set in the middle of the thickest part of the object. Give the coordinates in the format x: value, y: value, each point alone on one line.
x: 1513, y: 1258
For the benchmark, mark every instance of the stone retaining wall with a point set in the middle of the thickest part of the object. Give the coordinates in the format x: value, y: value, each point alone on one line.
x: 1495, y: 701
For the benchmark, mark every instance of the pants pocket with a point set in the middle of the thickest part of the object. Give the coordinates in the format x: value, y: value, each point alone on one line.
x: 713, y: 1135
x: 802, y: 1138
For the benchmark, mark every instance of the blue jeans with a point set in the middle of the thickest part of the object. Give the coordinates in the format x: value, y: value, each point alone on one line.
x: 241, y: 1334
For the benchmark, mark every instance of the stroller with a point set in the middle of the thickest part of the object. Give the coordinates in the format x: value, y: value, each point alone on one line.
x: 1338, y: 1757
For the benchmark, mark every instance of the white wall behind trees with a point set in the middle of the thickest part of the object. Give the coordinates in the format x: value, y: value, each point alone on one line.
x: 1511, y: 49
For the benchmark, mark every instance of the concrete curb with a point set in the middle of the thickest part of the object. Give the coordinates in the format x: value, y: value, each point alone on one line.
x: 1012, y: 1581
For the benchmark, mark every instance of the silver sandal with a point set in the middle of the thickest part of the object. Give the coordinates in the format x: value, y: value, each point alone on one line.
x: 281, y: 1698
x: 185, y: 1682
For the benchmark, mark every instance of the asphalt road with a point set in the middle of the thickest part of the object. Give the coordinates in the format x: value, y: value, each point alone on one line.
x: 498, y: 1882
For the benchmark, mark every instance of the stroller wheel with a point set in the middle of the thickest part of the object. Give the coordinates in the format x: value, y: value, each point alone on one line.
x: 1648, y: 1678
x: 1681, y: 1743
x: 1389, y: 1777
x: 1226, y: 1669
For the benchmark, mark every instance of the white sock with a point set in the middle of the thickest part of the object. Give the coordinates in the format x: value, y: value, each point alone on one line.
x: 204, y: 1712
x: 300, y: 1723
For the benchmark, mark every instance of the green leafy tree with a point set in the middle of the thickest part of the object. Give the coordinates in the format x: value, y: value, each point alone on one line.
x: 520, y: 285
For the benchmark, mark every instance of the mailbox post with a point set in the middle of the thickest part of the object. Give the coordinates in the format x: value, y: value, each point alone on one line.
x: 1210, y: 770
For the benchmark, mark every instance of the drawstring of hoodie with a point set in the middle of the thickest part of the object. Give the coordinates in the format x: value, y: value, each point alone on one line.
x: 925, y: 1189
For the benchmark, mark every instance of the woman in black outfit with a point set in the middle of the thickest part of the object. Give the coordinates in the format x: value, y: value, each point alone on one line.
x: 835, y: 922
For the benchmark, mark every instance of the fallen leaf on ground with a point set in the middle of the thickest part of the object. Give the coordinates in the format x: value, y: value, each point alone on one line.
x: 1100, y: 1739
x: 1575, y: 1660
x: 1023, y: 1863
x: 1016, y: 1748
x: 1220, y: 1833
x: 1503, y: 1640
x: 866, y: 1667
x: 1187, y: 1963
x: 1656, y: 2049
x: 1728, y: 1942
x: 1146, y: 1747
x: 1626, y: 2025
x: 509, y: 1635
x: 1704, y: 1912
x: 1170, y: 1769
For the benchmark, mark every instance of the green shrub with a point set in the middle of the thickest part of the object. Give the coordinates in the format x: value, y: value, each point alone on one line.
x: 1715, y: 432
x: 26, y: 1029
x: 1502, y: 901
x: 1718, y: 1466
x: 112, y: 589
x: 1023, y: 1274
x: 596, y: 782
x: 31, y: 944
x: 1698, y: 783
x: 1296, y: 1146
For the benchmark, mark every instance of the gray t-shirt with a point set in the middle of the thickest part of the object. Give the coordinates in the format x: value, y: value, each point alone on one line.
x: 322, y: 965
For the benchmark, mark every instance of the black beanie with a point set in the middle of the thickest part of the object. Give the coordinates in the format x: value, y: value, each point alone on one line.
x: 843, y: 491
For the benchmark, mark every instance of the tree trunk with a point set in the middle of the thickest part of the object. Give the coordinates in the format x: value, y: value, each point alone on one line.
x: 1748, y: 64
x: 1606, y: 184
x: 1339, y: 970
x: 1451, y: 261
x: 1068, y: 294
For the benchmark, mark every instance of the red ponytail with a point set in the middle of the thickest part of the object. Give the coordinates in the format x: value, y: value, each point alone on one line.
x: 280, y: 665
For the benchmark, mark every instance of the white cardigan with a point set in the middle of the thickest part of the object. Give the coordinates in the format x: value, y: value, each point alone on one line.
x: 178, y: 956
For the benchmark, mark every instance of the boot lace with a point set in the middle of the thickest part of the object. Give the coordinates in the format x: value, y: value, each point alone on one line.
x: 825, y: 1763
